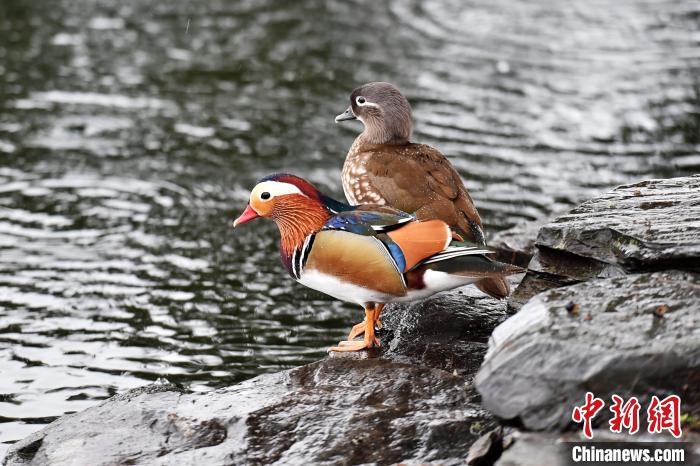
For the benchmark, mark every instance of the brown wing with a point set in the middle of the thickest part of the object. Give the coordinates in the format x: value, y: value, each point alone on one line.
x: 418, y: 179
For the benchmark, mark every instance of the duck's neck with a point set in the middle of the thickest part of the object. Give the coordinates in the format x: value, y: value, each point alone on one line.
x: 393, y: 127
x: 378, y: 135
x: 297, y: 222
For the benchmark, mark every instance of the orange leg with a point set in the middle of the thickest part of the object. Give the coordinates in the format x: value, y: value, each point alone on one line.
x: 359, y: 329
x: 367, y: 327
x: 378, y: 308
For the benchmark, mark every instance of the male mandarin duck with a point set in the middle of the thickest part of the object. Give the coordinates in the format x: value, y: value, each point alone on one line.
x: 384, y: 167
x: 370, y: 254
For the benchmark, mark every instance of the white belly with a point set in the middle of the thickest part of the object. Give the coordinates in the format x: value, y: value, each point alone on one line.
x: 435, y: 282
x: 341, y: 290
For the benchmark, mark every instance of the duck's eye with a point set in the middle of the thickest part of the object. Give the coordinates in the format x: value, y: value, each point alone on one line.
x: 265, y: 196
x: 360, y: 100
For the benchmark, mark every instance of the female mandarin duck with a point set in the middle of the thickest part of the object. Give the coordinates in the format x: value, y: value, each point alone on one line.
x: 384, y: 167
x: 371, y: 255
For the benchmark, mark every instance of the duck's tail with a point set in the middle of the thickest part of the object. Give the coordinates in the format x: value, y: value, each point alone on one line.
x: 470, y: 262
x: 496, y: 287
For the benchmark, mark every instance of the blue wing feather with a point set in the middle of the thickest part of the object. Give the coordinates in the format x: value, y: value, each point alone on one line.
x: 373, y: 221
x: 368, y: 221
x: 395, y: 251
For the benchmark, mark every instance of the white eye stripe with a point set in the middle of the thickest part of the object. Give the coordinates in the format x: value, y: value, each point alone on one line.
x: 363, y: 102
x: 274, y: 188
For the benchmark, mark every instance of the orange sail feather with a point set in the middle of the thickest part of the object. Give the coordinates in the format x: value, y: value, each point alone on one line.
x: 420, y: 240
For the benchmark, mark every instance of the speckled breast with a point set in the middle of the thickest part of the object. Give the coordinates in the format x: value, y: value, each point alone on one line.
x: 356, y: 183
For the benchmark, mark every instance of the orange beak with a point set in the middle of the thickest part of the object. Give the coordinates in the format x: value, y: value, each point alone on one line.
x: 247, y: 215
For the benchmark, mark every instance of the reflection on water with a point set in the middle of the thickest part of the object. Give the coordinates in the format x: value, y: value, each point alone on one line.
x: 128, y: 140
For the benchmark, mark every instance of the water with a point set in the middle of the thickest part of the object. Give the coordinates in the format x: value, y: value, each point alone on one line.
x: 130, y: 134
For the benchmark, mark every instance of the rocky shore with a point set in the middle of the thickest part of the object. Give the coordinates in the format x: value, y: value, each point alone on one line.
x: 610, y: 304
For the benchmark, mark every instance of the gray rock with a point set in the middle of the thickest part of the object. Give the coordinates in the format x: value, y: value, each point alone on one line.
x: 553, y: 269
x: 449, y: 331
x: 535, y: 449
x: 632, y: 335
x: 638, y: 227
x: 516, y: 245
x: 642, y: 227
x: 336, y: 411
x: 487, y: 448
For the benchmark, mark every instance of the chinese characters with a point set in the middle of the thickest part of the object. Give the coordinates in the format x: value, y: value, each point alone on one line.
x: 662, y: 415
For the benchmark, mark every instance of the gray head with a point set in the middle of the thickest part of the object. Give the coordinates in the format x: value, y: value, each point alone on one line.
x: 383, y: 110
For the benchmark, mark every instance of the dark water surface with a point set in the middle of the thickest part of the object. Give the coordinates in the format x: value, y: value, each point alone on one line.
x: 130, y: 132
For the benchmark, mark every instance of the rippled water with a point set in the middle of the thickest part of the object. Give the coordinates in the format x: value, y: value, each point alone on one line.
x: 130, y: 132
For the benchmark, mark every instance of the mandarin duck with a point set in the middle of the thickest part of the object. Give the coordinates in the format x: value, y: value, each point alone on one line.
x: 384, y: 167
x: 371, y: 255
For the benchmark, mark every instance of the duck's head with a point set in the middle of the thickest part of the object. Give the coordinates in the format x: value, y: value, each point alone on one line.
x: 278, y: 195
x: 292, y: 202
x: 383, y: 110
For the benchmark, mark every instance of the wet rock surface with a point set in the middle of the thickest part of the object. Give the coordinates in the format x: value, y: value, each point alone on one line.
x: 336, y: 411
x: 638, y: 227
x: 449, y: 332
x: 516, y: 245
x: 630, y: 335
x: 641, y: 227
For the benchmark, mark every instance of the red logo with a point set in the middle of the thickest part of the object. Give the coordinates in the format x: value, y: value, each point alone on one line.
x: 624, y: 415
x: 665, y: 415
x: 587, y: 412
x: 662, y: 415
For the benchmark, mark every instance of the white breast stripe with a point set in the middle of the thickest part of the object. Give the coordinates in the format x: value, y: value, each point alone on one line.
x: 295, y: 270
x: 305, y: 251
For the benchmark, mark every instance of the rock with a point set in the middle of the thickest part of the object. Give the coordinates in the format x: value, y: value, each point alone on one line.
x: 535, y: 449
x: 638, y: 227
x: 634, y: 335
x: 449, y: 331
x: 516, y: 245
x: 554, y: 449
x: 487, y: 448
x: 641, y: 227
x: 552, y: 269
x: 335, y: 411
